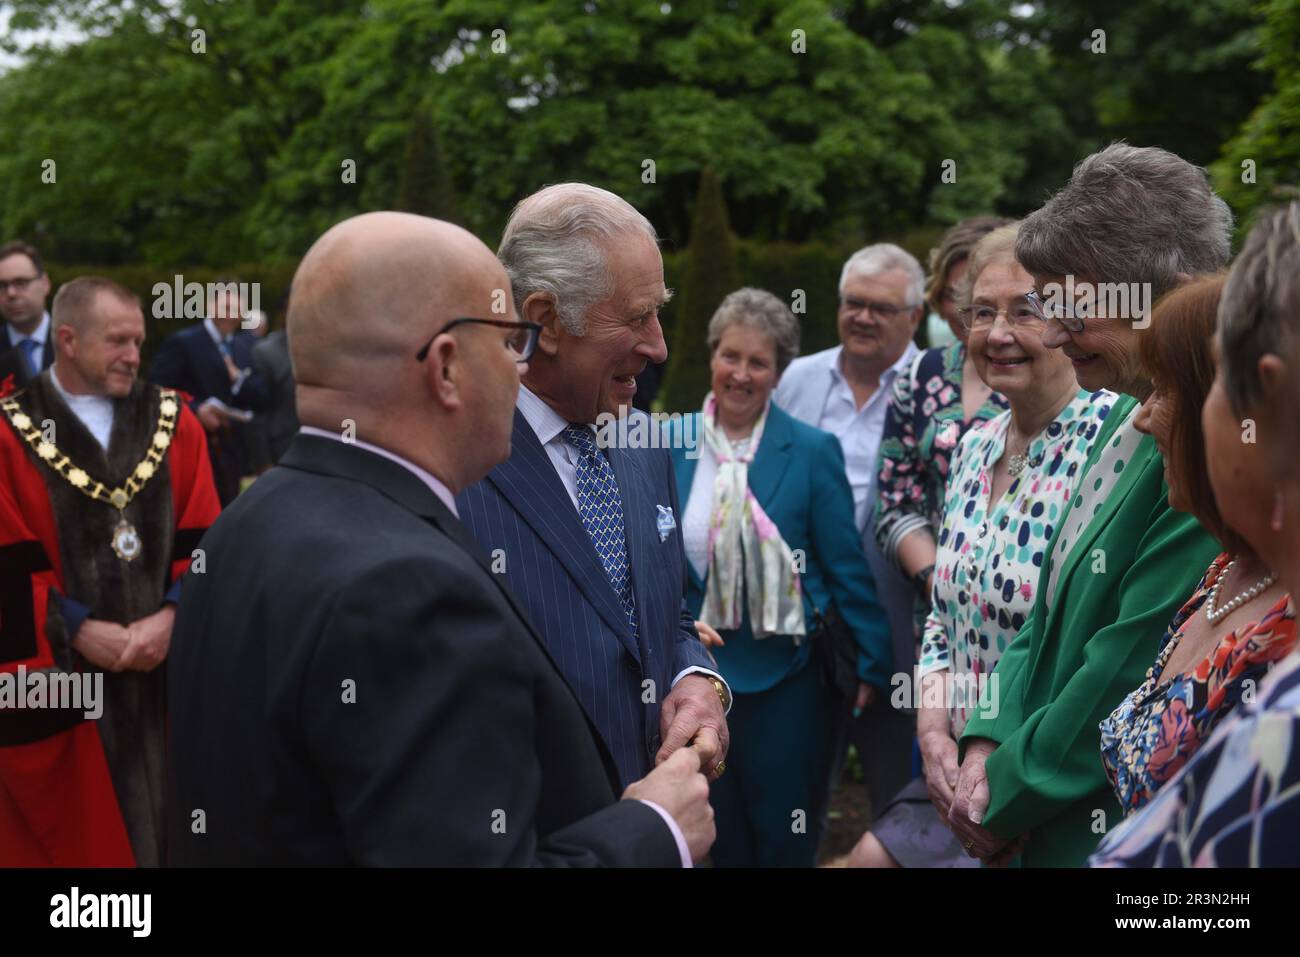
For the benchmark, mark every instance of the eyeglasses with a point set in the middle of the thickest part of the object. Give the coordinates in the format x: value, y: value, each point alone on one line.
x: 881, y: 310
x: 522, y: 343
x: 1068, y: 314
x: 1019, y: 312
x: 18, y: 285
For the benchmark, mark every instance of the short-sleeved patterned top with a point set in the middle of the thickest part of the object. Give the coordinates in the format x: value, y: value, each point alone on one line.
x: 1158, y: 727
x: 923, y: 425
x: 1236, y: 803
x: 989, y: 558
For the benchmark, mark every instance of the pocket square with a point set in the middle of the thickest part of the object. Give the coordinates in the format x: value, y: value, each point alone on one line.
x: 665, y: 521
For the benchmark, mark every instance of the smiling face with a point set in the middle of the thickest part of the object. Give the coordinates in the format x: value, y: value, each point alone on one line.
x: 1009, y: 355
x: 583, y: 377
x: 744, y: 374
x: 877, y: 335
x: 1104, y: 353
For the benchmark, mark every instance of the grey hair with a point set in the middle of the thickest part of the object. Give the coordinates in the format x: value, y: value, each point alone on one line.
x: 995, y: 246
x: 555, y: 243
x: 1259, y: 310
x: 882, y: 257
x: 1129, y: 214
x: 758, y: 309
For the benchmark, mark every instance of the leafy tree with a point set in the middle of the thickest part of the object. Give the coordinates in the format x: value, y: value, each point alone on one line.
x: 426, y: 187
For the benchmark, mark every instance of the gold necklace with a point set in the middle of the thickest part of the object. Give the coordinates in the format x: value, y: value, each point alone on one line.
x: 126, y: 540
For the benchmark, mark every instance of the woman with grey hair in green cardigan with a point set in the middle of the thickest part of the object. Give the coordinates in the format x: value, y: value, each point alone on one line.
x: 1138, y: 221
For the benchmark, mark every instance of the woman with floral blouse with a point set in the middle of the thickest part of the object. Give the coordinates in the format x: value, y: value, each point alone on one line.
x: 1239, y: 621
x: 1011, y: 478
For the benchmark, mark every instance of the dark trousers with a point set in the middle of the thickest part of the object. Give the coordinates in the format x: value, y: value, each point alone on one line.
x: 882, y: 736
x: 776, y: 766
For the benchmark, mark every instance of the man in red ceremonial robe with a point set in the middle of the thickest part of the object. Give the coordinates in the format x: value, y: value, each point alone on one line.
x: 105, y: 490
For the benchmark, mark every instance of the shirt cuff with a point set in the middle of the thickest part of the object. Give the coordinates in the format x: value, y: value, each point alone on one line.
x: 73, y: 612
x: 697, y: 670
x: 682, y: 848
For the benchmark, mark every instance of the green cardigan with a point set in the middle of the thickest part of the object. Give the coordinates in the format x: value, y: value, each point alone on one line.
x: 1075, y: 661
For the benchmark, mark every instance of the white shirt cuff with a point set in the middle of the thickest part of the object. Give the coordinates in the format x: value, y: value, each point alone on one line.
x: 682, y: 848
x: 697, y: 670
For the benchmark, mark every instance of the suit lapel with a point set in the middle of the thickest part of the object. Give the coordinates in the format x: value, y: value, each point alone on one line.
x: 640, y: 526
x: 528, y: 483
x: 773, y: 456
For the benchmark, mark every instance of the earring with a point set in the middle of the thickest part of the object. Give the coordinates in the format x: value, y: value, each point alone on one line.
x: 1279, y: 508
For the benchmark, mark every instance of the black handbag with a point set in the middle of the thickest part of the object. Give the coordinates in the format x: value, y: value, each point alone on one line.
x: 836, y: 653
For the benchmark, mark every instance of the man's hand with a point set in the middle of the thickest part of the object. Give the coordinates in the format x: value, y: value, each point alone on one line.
x: 939, y: 761
x: 101, y: 643
x: 693, y: 710
x: 971, y: 800
x: 148, y: 641
x: 679, y: 788
x: 213, y: 419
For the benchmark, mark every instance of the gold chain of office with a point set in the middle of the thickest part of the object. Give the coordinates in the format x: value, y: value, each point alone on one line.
x: 126, y: 541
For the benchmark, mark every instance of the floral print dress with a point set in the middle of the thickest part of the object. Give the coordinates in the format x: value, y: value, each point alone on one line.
x: 991, y: 554
x: 1159, y: 726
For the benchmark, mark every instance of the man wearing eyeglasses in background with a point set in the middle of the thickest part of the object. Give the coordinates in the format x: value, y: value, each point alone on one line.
x: 350, y: 681
x: 845, y: 391
x: 25, y: 346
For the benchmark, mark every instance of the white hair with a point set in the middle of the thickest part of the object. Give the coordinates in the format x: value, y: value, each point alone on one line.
x: 556, y: 242
x: 881, y: 258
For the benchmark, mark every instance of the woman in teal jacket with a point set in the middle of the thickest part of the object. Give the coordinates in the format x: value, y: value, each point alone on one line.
x: 771, y: 542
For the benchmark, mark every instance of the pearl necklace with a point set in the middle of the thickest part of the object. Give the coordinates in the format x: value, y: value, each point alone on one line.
x: 1212, y: 610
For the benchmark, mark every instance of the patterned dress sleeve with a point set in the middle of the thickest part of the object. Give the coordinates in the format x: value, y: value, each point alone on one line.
x: 900, y: 497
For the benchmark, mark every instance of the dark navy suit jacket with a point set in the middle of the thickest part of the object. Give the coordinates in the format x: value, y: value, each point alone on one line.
x: 523, y: 509
x: 189, y: 360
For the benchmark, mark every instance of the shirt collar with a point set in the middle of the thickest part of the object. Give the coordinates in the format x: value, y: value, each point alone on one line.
x: 888, y: 375
x: 41, y: 334
x: 70, y: 399
x: 213, y: 331
x: 435, y: 485
x: 545, y: 422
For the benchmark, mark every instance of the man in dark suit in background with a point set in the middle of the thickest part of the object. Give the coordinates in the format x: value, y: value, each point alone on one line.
x: 212, y: 362
x: 277, y: 424
x: 350, y: 683
x: 26, y: 347
x: 587, y: 537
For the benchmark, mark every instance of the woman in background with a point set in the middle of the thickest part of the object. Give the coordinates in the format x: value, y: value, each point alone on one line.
x: 771, y: 541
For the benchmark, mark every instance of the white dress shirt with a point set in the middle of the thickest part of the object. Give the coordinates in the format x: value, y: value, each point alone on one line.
x: 860, y: 430
x: 94, y: 411
x: 41, y: 336
x: 548, y: 425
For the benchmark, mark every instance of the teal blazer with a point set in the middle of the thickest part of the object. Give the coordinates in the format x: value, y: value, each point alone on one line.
x: 798, y: 478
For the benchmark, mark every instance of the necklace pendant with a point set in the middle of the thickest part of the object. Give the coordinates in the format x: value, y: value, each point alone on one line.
x: 126, y: 541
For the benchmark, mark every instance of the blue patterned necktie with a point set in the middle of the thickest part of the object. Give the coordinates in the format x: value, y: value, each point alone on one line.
x: 601, y: 511
x: 29, y: 347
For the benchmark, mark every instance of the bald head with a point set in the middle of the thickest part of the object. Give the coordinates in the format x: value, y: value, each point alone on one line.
x: 369, y: 296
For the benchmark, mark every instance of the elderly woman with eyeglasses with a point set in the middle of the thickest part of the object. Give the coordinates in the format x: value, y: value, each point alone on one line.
x: 1236, y: 803
x: 1131, y: 224
x: 1010, y: 481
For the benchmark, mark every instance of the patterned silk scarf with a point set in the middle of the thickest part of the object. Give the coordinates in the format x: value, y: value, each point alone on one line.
x: 748, y: 559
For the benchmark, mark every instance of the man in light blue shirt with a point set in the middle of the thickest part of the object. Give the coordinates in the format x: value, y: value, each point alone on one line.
x: 845, y: 390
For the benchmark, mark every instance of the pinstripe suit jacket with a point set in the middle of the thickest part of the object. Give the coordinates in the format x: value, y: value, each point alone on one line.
x: 522, y: 509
